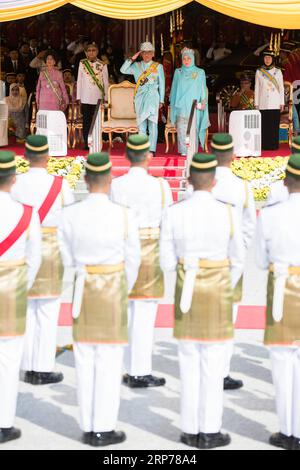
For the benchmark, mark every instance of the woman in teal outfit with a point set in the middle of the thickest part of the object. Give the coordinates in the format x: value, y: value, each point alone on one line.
x: 189, y: 84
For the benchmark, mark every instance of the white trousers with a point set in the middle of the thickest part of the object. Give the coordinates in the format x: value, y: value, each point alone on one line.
x: 10, y: 360
x: 201, y: 373
x: 98, y: 371
x: 285, y: 363
x: 40, y: 337
x: 141, y: 323
x: 230, y: 345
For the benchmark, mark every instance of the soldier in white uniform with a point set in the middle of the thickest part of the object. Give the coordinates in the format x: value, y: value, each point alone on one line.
x: 237, y: 192
x: 20, y: 257
x: 278, y: 249
x: 47, y: 194
x: 278, y: 190
x: 101, y: 241
x: 269, y: 99
x: 202, y: 240
x: 147, y: 196
x: 92, y: 85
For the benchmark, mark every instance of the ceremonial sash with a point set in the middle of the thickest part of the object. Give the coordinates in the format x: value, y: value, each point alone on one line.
x: 244, y: 99
x: 51, y: 197
x: 91, y: 72
x: 271, y: 78
x: 18, y: 231
x: 59, y: 97
x: 153, y: 68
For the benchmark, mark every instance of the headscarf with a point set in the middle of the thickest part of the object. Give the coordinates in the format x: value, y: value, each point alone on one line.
x: 187, y: 71
x: 15, y: 103
x: 271, y: 54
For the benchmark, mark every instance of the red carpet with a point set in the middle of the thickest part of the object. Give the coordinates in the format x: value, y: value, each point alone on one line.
x: 249, y: 317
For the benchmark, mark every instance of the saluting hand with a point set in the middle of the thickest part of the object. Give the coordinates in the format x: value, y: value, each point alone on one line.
x: 133, y: 58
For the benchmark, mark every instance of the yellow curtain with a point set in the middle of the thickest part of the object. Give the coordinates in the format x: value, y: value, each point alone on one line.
x: 283, y: 14
x: 273, y: 13
x: 9, y: 14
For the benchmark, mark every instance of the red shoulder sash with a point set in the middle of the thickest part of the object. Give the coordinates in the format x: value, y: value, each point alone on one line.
x: 18, y: 231
x: 51, y: 197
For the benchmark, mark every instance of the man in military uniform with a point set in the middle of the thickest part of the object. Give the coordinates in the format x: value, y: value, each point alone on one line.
x: 147, y: 196
x: 149, y: 90
x: 20, y: 257
x: 278, y: 250
x: 47, y: 194
x: 100, y: 240
x: 202, y: 240
x: 233, y: 190
x: 92, y: 85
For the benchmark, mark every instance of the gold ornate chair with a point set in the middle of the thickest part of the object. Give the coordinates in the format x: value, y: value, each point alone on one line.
x: 33, y: 118
x: 76, y: 127
x: 286, y: 118
x: 223, y: 98
x: 121, y: 117
x: 169, y: 129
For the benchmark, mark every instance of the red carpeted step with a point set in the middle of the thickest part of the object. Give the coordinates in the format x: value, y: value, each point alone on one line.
x: 161, y: 172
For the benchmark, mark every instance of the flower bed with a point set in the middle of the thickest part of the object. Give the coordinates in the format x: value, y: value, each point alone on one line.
x: 70, y: 168
x: 260, y: 172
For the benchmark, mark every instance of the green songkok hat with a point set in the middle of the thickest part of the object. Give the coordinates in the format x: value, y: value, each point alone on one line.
x: 203, y: 162
x: 222, y: 142
x: 293, y: 166
x: 98, y: 163
x: 296, y: 145
x: 138, y: 143
x: 36, y: 145
x: 7, y: 163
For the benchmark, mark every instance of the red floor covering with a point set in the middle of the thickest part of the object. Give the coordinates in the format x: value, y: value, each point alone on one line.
x: 119, y: 149
x: 249, y: 317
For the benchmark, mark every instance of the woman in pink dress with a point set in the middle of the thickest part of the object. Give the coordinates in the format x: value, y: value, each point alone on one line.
x: 51, y: 92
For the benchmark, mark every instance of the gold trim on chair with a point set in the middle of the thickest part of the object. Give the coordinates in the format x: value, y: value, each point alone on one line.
x: 169, y: 129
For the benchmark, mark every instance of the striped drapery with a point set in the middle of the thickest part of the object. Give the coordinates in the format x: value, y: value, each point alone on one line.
x: 137, y: 31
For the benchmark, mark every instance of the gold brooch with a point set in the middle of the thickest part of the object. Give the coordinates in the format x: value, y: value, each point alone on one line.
x: 194, y: 75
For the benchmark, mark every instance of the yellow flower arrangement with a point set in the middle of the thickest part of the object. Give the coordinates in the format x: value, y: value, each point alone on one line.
x: 260, y: 172
x: 70, y: 168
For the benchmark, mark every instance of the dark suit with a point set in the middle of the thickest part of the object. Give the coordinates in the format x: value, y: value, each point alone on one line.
x: 16, y: 67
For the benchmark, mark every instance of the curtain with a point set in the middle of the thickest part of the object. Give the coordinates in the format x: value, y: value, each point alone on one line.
x: 283, y: 14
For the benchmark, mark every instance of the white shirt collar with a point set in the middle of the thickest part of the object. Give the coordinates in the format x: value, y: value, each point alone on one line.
x: 137, y: 170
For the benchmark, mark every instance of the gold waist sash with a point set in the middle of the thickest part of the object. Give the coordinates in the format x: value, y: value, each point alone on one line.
x: 287, y: 331
x: 12, y: 263
x: 13, y: 297
x: 210, y: 315
x: 48, y: 282
x: 103, y: 314
x: 105, y: 268
x: 150, y: 281
x: 291, y: 269
x: 210, y: 264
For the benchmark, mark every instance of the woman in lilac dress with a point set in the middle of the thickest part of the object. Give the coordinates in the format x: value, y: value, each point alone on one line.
x: 51, y: 94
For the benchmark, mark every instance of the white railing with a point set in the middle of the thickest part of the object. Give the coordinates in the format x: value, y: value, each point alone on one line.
x: 191, y: 138
x: 95, y: 132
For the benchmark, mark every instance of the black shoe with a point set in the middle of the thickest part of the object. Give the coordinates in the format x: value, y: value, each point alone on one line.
x: 27, y: 378
x: 232, y: 384
x: 9, y: 434
x: 42, y: 378
x: 295, y: 444
x: 210, y: 441
x: 281, y: 440
x: 189, y: 439
x: 125, y: 379
x: 86, y: 437
x: 99, y: 439
x: 142, y: 381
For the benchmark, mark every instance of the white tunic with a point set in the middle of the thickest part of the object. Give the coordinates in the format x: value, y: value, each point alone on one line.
x: 278, y: 193
x: 199, y: 228
x: 93, y: 232
x: 87, y: 90
x: 266, y: 94
x: 32, y: 188
x: 237, y: 192
x: 29, y: 244
x: 142, y: 193
x: 278, y: 231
